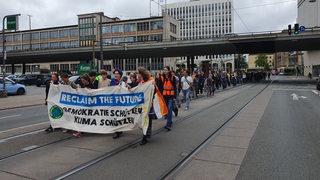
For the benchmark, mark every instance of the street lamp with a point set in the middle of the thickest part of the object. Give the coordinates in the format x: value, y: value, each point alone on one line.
x: 13, y: 26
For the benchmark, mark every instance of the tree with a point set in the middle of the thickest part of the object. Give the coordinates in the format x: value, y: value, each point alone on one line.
x: 240, y: 62
x: 262, y: 61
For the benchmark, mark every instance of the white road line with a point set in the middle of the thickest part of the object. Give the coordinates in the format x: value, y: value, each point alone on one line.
x: 23, y: 127
x: 316, y: 92
x: 29, y: 148
x: 6, y: 117
x: 280, y: 89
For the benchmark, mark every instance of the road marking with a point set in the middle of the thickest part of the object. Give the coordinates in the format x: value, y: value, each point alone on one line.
x: 295, y: 97
x: 23, y: 127
x: 316, y: 92
x: 29, y: 148
x: 6, y: 117
x: 21, y: 135
x: 280, y: 89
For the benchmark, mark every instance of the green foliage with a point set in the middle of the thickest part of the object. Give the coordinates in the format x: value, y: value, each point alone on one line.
x: 262, y: 61
x: 240, y: 62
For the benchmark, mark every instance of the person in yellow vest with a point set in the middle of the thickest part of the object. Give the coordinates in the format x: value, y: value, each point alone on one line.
x: 169, y: 91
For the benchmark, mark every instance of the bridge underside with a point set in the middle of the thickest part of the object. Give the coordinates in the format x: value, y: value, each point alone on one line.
x: 234, y: 45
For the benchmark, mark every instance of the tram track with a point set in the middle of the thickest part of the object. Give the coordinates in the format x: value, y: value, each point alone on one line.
x: 108, y: 154
x: 156, y: 132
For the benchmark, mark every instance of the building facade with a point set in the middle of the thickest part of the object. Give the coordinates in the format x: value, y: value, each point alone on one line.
x: 93, y: 29
x: 253, y: 57
x: 309, y: 16
x: 205, y: 19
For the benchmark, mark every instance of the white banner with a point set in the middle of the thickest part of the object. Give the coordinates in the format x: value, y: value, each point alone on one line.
x: 101, y: 110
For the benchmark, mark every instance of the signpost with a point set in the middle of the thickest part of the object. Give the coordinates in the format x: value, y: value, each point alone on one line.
x: 302, y: 28
x: 12, y: 24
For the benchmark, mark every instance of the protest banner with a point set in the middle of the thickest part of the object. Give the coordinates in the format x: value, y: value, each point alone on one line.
x: 100, y: 110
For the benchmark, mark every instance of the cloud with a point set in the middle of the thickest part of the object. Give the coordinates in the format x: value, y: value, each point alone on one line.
x: 51, y: 13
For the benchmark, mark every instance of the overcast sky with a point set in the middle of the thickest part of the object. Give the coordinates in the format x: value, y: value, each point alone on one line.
x: 262, y: 15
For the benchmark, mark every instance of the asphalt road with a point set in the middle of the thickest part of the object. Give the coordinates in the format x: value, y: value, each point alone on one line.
x: 286, y: 144
x: 18, y: 117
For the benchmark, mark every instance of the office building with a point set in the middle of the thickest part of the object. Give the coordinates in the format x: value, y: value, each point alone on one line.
x: 87, y: 34
x: 205, y: 19
x: 309, y: 16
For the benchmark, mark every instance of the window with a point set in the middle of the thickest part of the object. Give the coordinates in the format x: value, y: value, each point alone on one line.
x: 63, y: 33
x: 117, y: 40
x: 144, y: 62
x: 54, y: 45
x: 17, y: 48
x: 157, y: 37
x: 35, y: 36
x: 130, y: 64
x: 64, y: 44
x: 144, y: 26
x: 44, y: 35
x: 117, y: 28
x: 64, y: 67
x: 26, y: 37
x: 106, y: 29
x: 156, y: 25
x: 44, y: 45
x: 54, y: 34
x: 129, y: 39
x: 54, y: 67
x: 73, y: 32
x: 157, y: 63
x: 74, y: 67
x: 117, y: 63
x: 8, y: 38
x: 74, y: 43
x: 130, y: 27
x: 142, y: 38
x: 26, y: 47
x: 173, y: 28
x: 35, y: 46
x: 17, y: 37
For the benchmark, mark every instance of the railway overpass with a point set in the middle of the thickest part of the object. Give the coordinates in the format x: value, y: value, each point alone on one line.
x: 249, y: 43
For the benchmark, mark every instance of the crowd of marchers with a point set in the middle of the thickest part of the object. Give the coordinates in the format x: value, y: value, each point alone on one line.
x: 174, y: 87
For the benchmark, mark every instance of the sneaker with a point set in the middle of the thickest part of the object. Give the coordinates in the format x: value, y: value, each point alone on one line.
x: 65, y: 131
x: 49, y: 129
x: 186, y: 108
x: 78, y: 134
x: 167, y: 128
x: 117, y: 135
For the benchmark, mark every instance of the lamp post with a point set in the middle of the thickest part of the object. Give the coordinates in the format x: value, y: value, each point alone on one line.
x: 3, y: 93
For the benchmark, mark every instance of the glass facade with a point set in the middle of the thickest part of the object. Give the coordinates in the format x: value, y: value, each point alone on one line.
x: 155, y: 25
x: 130, y: 27
x: 117, y: 28
x: 53, y: 34
x: 63, y: 33
x: 44, y: 35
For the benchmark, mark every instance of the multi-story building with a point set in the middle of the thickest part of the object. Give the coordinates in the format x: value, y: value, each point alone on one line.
x: 88, y: 33
x: 205, y: 19
x: 288, y: 59
x: 309, y: 16
x: 253, y: 57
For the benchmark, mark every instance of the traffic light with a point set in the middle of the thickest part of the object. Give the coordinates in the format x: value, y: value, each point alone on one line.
x: 296, y: 28
x: 289, y: 29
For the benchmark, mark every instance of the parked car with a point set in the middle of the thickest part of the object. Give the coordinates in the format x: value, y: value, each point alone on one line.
x: 43, y: 79
x: 76, y: 79
x: 26, y: 79
x: 13, y: 87
x: 12, y: 77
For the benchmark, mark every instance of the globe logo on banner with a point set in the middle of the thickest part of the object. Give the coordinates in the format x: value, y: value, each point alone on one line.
x: 56, y: 112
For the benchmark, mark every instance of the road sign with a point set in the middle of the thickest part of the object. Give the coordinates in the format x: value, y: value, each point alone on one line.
x: 302, y: 28
x: 12, y: 22
x: 84, y: 69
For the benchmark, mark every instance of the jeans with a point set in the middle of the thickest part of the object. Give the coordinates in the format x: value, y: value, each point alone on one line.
x: 186, y: 95
x: 169, y: 102
x: 178, y: 99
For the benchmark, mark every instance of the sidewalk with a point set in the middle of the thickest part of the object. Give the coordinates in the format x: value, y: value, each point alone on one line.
x: 221, y: 158
x: 34, y: 96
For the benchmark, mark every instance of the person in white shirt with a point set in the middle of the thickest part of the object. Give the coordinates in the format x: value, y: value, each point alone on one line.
x: 104, y: 81
x: 186, y: 81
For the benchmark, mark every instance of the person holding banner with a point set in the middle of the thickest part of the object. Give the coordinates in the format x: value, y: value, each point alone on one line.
x: 104, y: 81
x: 117, y: 81
x: 169, y: 92
x: 144, y: 76
x: 55, y: 81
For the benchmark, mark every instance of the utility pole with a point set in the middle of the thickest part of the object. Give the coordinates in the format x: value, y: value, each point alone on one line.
x: 30, y: 44
x: 101, y: 42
